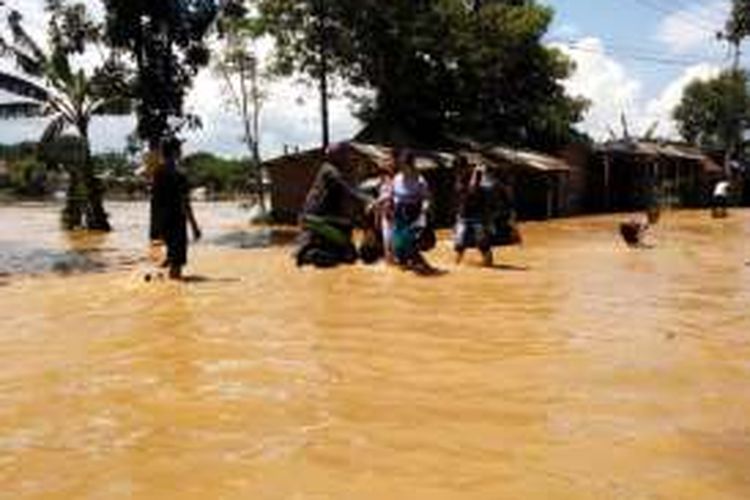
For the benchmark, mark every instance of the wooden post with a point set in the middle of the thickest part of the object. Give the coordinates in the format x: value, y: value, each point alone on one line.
x: 549, y: 196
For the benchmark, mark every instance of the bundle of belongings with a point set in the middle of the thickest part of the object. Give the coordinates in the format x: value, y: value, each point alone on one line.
x: 326, y: 221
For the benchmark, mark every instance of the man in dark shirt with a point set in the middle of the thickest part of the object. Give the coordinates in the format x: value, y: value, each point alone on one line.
x: 171, y: 209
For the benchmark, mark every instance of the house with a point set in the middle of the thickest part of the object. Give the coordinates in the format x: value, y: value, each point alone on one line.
x: 292, y: 176
x: 541, y: 183
x: 544, y: 186
x: 629, y: 175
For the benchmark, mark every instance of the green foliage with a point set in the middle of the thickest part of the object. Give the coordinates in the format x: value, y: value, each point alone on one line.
x: 166, y: 40
x: 114, y: 165
x: 738, y: 25
x: 715, y: 113
x: 244, y: 77
x: 15, y: 152
x: 28, y: 177
x: 120, y: 174
x: 218, y: 175
x: 53, y: 88
x: 437, y: 67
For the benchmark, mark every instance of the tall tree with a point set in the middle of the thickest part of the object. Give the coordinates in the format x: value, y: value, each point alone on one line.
x: 310, y: 37
x: 167, y: 41
x: 737, y: 27
x: 736, y: 30
x: 51, y: 87
x: 437, y: 67
x: 240, y: 67
x: 715, y: 113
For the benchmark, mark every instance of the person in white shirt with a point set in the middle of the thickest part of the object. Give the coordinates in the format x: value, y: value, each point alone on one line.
x: 720, y: 200
x: 411, y: 201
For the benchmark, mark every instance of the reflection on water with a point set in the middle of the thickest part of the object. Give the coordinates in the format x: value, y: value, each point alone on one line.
x: 30, y: 240
x: 581, y: 370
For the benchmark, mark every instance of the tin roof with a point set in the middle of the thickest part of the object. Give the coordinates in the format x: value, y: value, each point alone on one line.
x: 661, y: 149
x: 529, y: 159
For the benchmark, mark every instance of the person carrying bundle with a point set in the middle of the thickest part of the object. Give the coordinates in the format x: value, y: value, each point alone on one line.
x: 326, y: 220
x: 474, y: 221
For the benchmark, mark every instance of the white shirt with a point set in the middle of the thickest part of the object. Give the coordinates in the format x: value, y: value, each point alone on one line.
x: 410, y: 190
x: 722, y: 189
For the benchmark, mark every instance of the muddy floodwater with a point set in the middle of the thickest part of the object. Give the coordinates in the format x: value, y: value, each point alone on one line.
x: 575, y: 369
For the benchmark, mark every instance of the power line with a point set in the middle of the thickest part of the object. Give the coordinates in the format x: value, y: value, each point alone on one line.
x: 637, y: 50
x: 696, y: 22
x: 664, y: 61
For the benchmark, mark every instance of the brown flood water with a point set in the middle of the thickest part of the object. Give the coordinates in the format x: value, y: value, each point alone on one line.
x: 580, y: 370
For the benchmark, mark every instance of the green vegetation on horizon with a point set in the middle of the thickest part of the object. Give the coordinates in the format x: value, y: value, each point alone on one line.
x: 29, y: 176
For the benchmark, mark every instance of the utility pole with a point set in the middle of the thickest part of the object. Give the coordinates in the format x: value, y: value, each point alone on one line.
x: 735, y: 138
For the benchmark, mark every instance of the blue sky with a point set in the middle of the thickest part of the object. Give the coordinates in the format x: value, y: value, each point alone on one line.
x: 633, y: 56
x: 637, y: 55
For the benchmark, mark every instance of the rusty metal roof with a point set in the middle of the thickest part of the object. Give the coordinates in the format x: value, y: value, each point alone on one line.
x: 661, y: 149
x: 529, y: 159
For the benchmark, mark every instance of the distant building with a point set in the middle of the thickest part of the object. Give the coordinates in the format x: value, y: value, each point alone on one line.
x: 630, y: 175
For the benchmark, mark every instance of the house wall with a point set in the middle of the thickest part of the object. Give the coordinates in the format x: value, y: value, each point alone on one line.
x: 628, y: 182
x: 291, y: 179
x: 293, y: 176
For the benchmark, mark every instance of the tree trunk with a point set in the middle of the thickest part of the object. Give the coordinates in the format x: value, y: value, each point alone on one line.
x: 72, y: 214
x: 96, y: 217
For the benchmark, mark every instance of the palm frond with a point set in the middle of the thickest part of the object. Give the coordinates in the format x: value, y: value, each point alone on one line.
x: 54, y: 130
x: 10, y: 110
x: 27, y: 63
x: 22, y: 87
x: 23, y: 39
x: 60, y: 73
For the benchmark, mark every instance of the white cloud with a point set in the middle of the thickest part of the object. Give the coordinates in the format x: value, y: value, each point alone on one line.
x: 660, y: 109
x: 694, y: 27
x: 291, y: 116
x: 612, y: 91
x: 605, y: 82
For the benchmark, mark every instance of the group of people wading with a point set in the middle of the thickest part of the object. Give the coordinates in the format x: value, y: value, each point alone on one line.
x: 395, y: 218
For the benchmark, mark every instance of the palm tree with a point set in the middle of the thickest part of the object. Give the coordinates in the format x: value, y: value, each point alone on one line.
x: 49, y: 87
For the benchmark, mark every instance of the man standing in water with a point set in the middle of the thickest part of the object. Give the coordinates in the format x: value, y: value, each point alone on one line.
x: 171, y: 209
x: 720, y: 200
